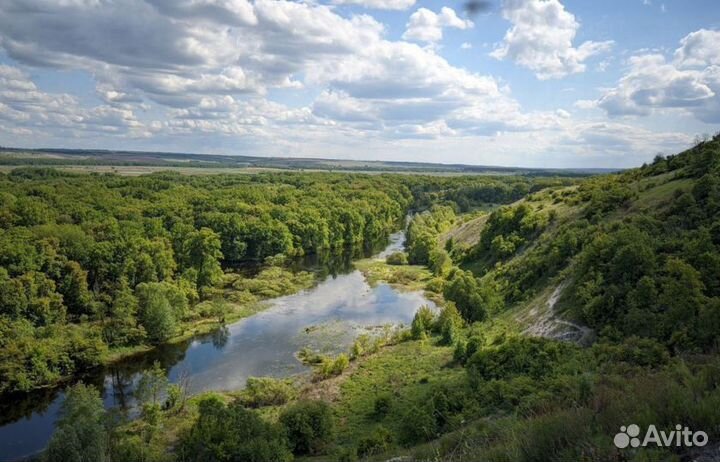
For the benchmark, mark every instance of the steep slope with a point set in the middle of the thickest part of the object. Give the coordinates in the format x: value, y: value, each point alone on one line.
x: 609, y: 253
x: 592, y: 306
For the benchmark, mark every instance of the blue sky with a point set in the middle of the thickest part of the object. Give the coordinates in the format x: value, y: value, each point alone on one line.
x: 527, y: 82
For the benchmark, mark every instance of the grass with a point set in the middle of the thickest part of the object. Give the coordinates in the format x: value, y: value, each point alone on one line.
x: 659, y: 192
x: 466, y: 234
x: 404, y: 371
x: 408, y: 278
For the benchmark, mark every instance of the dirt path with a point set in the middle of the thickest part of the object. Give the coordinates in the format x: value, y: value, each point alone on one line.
x: 547, y: 323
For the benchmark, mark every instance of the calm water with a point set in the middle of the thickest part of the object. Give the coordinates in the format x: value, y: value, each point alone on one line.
x: 328, y: 317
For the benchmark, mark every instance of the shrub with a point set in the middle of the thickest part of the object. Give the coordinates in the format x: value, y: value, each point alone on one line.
x: 378, y: 442
x: 636, y: 351
x: 473, y: 299
x: 436, y: 285
x: 360, y: 346
x: 558, y: 436
x: 80, y: 434
x: 418, y: 425
x: 231, y: 433
x: 309, y: 426
x: 340, y: 364
x: 331, y: 367
x: 397, y: 258
x: 474, y: 344
x: 382, y: 405
x: 460, y: 351
x: 449, y: 323
x: 439, y: 262
x: 346, y: 455
x: 267, y: 391
x: 308, y: 356
x: 532, y: 357
x: 422, y: 322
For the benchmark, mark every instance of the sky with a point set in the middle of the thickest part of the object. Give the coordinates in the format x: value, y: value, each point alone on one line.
x: 534, y: 83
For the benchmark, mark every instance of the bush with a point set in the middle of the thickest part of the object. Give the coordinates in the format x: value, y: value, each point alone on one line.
x: 439, y: 262
x: 362, y: 345
x: 397, y: 258
x: 435, y: 285
x: 642, y: 352
x: 474, y: 344
x: 559, y: 436
x: 521, y: 356
x: 80, y: 433
x: 418, y: 425
x: 346, y: 455
x: 382, y: 405
x: 331, y: 367
x: 448, y: 324
x: 309, y: 426
x: 422, y: 322
x: 232, y: 433
x: 267, y: 391
x: 460, y: 351
x: 378, y: 442
x: 340, y: 364
x: 473, y: 299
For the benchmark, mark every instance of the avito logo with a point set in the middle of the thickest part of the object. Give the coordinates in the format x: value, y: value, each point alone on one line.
x: 681, y: 436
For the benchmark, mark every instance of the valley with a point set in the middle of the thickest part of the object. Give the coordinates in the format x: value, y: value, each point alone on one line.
x: 515, y: 317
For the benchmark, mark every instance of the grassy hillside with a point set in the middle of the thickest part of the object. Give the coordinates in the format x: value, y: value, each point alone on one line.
x: 598, y: 306
x: 585, y: 307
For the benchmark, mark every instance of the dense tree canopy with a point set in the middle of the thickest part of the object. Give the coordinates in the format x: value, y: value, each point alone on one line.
x: 94, y: 261
x: 127, y: 259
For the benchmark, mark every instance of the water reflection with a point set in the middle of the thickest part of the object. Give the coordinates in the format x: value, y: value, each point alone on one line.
x: 261, y: 345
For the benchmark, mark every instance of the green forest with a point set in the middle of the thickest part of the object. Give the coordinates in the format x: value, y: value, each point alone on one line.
x: 569, y: 307
x: 94, y: 267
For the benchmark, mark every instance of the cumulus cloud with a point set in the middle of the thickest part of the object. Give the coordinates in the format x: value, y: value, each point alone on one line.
x: 699, y: 48
x: 617, y: 139
x: 690, y: 82
x: 205, y: 74
x: 426, y: 26
x: 27, y: 110
x: 212, y: 63
x: 378, y: 4
x: 541, y: 39
x: 175, y: 52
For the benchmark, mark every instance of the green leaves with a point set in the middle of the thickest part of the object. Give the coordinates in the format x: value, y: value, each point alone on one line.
x: 80, y: 434
x: 473, y: 299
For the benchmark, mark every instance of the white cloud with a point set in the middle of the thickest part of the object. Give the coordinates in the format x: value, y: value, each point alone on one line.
x: 32, y: 111
x: 378, y: 4
x: 689, y: 83
x: 201, y: 75
x: 466, y: 46
x: 699, y: 48
x: 175, y: 52
x: 617, y: 139
x: 541, y: 39
x: 426, y: 26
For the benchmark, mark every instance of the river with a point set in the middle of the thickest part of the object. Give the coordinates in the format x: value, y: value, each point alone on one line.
x: 327, y: 317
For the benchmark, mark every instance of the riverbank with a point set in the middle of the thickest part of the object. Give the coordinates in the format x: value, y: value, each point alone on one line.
x: 391, y: 365
x: 406, y: 278
x: 263, y: 344
x: 189, y: 329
